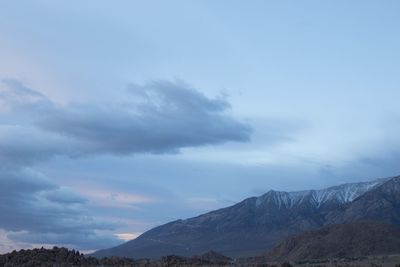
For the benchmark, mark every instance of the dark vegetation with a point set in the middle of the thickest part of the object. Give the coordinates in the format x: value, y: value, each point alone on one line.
x: 62, y: 257
x: 46, y: 257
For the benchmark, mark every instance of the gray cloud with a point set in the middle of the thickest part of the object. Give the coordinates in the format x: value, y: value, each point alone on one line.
x: 158, y: 117
x: 75, y: 240
x: 25, y: 145
x: 162, y: 117
x: 24, y: 103
x: 64, y: 196
x: 16, y: 91
x: 33, y: 207
x: 374, y: 165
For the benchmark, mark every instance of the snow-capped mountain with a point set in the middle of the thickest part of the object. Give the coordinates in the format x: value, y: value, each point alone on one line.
x: 341, y: 194
x: 255, y: 224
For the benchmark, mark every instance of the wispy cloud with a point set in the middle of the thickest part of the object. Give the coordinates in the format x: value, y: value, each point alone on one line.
x: 109, y: 198
x: 127, y: 236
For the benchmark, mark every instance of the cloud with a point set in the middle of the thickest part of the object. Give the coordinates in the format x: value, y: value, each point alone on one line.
x: 158, y: 117
x: 113, y: 199
x: 7, y: 245
x: 83, y: 241
x: 64, y: 196
x: 375, y: 165
x: 16, y: 97
x: 127, y: 236
x: 25, y: 145
x: 16, y: 91
x: 34, y: 209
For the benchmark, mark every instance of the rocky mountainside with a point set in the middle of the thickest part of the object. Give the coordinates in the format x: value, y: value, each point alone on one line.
x: 351, y: 240
x: 381, y: 204
x: 258, y: 223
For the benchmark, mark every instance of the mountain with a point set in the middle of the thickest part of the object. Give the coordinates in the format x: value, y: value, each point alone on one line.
x: 381, y: 204
x: 258, y: 223
x: 339, y: 241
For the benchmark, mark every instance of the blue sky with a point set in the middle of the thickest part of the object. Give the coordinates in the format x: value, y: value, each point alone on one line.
x: 119, y: 116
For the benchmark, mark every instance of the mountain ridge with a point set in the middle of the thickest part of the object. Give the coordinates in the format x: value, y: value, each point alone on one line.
x: 342, y: 193
x: 255, y: 224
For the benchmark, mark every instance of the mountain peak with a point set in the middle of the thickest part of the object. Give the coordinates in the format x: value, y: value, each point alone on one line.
x: 343, y: 193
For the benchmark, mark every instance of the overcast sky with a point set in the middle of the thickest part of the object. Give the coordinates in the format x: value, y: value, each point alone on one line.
x: 117, y: 116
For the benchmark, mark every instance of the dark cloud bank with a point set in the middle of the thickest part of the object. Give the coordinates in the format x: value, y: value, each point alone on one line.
x: 158, y: 117
x: 35, y: 210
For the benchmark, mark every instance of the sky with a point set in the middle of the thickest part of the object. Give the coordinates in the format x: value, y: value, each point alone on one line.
x: 118, y: 116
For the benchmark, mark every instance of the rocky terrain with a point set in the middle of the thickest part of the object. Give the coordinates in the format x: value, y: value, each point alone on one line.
x: 62, y: 257
x: 256, y: 224
x: 46, y: 257
x: 354, y: 240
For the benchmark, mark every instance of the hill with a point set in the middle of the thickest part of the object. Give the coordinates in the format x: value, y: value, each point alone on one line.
x: 339, y: 241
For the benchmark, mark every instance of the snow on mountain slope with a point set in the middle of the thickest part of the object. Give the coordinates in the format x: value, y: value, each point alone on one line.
x: 341, y: 194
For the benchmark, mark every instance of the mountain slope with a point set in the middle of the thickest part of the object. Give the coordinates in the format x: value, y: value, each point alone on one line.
x: 382, y: 203
x: 339, y: 241
x: 258, y: 223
